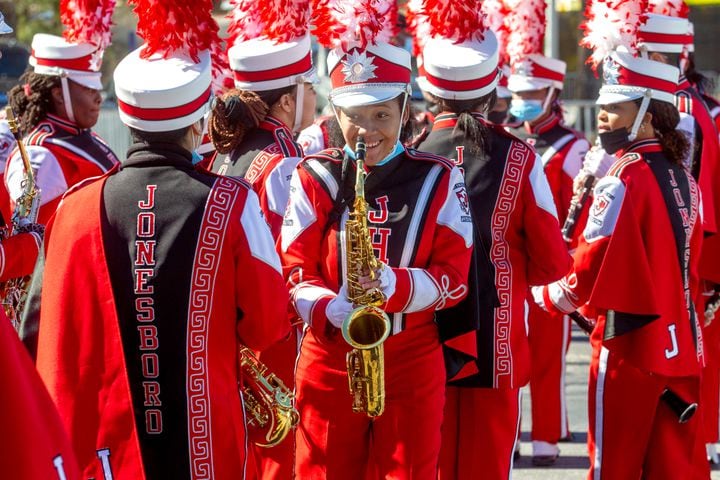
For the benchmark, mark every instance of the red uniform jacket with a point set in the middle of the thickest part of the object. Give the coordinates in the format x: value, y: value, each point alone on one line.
x: 419, y: 226
x: 517, y: 244
x: 266, y: 159
x: 637, y: 263
x: 171, y: 269
x: 35, y: 444
x: 18, y: 255
x: 61, y: 155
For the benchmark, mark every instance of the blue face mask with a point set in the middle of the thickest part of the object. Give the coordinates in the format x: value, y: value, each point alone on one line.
x: 526, y: 110
x: 395, y: 151
x: 196, y: 158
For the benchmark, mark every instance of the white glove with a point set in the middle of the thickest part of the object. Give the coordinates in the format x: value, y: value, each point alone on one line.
x: 537, y: 294
x: 597, y: 162
x: 387, y: 281
x: 339, y: 308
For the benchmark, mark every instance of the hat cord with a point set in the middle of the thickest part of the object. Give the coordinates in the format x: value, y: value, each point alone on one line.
x: 66, y: 98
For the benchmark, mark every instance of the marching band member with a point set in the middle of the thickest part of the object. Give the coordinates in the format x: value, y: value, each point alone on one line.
x: 252, y: 127
x: 175, y: 270
x: 37, y: 445
x: 647, y: 345
x: 514, y: 221
x: 58, y: 102
x: 420, y: 232
x: 536, y: 83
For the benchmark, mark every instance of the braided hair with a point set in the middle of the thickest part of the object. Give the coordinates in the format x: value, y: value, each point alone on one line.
x: 32, y: 100
x: 238, y: 112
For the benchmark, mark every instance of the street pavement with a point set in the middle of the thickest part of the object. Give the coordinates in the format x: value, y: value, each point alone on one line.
x: 573, y: 462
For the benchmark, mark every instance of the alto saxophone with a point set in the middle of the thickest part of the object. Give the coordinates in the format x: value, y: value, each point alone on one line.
x: 24, y: 219
x: 367, y: 326
x: 268, y: 402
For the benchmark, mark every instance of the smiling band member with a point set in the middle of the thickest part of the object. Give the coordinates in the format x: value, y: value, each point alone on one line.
x: 421, y: 233
x: 58, y: 102
x: 636, y: 264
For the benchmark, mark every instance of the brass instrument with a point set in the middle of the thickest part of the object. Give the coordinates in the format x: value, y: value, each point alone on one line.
x: 367, y: 326
x: 267, y: 401
x: 24, y: 219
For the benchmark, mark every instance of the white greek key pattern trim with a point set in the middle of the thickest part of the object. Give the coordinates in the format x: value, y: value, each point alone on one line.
x: 205, y: 266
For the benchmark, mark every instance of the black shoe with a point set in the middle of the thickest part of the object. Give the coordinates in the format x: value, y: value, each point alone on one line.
x: 568, y: 439
x: 544, y: 460
x: 516, y: 455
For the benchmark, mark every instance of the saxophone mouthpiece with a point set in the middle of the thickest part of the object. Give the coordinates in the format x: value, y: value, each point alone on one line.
x: 360, y: 148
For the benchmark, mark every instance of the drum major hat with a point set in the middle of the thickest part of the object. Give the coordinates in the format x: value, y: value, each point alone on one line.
x: 536, y: 72
x: 665, y: 34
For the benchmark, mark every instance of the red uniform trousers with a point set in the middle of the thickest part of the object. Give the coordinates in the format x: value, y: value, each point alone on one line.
x: 276, y: 463
x: 549, y: 339
x: 710, y: 385
x: 333, y: 442
x: 480, y: 429
x: 632, y: 433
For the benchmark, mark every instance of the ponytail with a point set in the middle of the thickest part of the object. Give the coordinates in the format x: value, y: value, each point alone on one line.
x: 238, y: 112
x: 475, y: 131
x: 665, y: 119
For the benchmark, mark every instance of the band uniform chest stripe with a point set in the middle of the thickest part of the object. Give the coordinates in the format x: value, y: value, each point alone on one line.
x: 518, y: 156
x: 79, y: 152
x: 330, y: 183
x: 556, y: 147
x: 412, y: 234
x: 216, y: 217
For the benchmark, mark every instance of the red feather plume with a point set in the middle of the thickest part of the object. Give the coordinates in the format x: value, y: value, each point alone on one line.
x: 526, y: 24
x: 356, y: 24
x: 496, y: 15
x: 459, y: 20
x: 284, y: 20
x: 671, y: 8
x: 245, y: 21
x: 87, y: 21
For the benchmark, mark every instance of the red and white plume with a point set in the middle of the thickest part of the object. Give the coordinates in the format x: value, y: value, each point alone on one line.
x: 245, y: 22
x: 496, y: 17
x: 354, y: 24
x: 526, y: 23
x: 671, y: 8
x: 169, y: 26
x: 418, y: 24
x: 610, y: 24
x: 284, y: 20
x: 457, y: 20
x: 87, y: 21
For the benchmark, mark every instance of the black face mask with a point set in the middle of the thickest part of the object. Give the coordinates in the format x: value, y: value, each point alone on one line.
x: 614, y: 140
x: 497, y: 117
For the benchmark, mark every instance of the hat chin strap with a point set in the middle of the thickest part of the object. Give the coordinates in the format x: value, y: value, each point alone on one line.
x: 299, y: 108
x: 549, y: 95
x: 402, y: 113
x: 66, y: 99
x: 640, y: 115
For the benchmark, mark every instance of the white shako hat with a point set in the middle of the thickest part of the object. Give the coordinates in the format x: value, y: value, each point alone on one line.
x: 665, y: 34
x: 364, y: 68
x: 535, y: 72
x: 627, y: 78
x: 691, y: 37
x: 165, y: 85
x: 460, y: 58
x: 261, y: 64
x: 80, y: 62
x: 4, y: 27
x: 160, y: 94
x: 269, y: 48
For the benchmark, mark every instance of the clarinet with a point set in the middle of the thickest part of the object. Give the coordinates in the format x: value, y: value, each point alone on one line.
x: 13, y: 292
x: 576, y: 207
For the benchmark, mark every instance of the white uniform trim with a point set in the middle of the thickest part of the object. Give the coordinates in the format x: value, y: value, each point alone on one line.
x: 608, y: 198
x: 541, y: 188
x: 257, y: 232
x: 304, y: 298
x: 424, y: 291
x: 49, y: 176
x: 300, y: 213
x: 574, y: 158
x: 599, y: 412
x: 277, y: 184
x: 325, y: 175
x: 455, y: 212
x: 77, y: 151
x: 556, y: 147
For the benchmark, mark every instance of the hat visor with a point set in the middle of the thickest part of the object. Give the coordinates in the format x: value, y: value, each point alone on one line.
x: 609, y: 98
x: 503, y: 92
x: 5, y: 28
x: 91, y: 80
x: 345, y: 97
x: 518, y: 83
